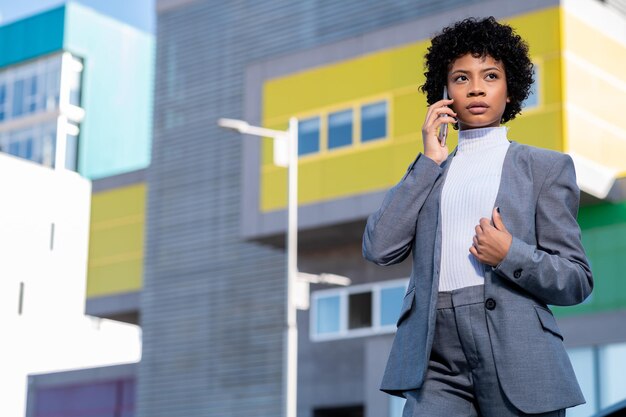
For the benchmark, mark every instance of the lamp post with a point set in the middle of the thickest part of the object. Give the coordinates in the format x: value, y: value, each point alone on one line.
x: 286, y: 155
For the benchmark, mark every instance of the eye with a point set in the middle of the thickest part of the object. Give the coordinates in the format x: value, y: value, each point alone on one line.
x: 460, y: 78
x: 492, y: 76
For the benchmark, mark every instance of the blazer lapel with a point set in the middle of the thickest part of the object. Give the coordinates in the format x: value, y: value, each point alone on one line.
x: 507, y: 171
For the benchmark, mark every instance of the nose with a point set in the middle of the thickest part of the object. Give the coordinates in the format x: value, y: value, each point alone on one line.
x: 475, y: 90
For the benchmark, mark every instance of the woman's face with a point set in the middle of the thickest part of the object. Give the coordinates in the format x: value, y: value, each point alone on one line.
x: 478, y: 87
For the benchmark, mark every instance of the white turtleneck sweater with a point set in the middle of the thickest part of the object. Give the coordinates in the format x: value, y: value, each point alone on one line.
x: 469, y: 193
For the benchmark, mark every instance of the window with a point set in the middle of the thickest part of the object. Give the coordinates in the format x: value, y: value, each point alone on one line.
x: 373, y: 121
x: 584, y: 364
x: 612, y: 360
x: 390, y: 303
x: 356, y: 310
x: 533, y: 97
x: 33, y: 87
x: 346, y: 411
x: 360, y: 310
x: 30, y: 98
x: 3, y: 96
x: 71, y: 152
x: 396, y: 405
x: 309, y: 136
x: 340, y: 129
x: 327, y: 314
x: 18, y: 98
x: 75, y: 70
x: 601, y: 373
x: 35, y: 143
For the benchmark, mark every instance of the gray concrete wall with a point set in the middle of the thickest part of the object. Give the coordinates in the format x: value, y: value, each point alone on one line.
x: 212, y: 306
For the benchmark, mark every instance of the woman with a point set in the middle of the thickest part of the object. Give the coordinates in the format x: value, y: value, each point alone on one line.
x: 493, y: 235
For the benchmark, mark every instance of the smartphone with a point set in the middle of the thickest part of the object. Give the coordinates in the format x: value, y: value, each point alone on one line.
x: 443, y: 129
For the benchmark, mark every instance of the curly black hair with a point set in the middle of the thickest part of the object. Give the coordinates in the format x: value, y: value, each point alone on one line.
x: 480, y: 38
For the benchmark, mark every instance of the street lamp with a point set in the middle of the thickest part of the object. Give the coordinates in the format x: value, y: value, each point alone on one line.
x: 286, y: 155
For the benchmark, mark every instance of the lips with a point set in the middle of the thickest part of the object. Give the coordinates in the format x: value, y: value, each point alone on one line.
x: 477, y: 107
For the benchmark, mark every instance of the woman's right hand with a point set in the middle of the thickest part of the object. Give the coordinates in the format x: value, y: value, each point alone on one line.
x: 430, y: 129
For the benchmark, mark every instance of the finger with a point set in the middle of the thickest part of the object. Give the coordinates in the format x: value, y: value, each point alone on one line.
x: 497, y: 219
x: 436, y: 125
x: 475, y: 239
x: 441, y: 113
x: 485, y: 223
x: 479, y: 230
x: 473, y: 251
x: 444, y: 102
x: 442, y: 110
x: 437, y: 105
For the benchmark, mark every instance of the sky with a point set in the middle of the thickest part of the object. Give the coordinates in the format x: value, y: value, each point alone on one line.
x: 138, y: 13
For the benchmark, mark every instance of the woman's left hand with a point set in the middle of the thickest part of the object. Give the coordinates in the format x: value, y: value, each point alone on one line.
x: 492, y: 241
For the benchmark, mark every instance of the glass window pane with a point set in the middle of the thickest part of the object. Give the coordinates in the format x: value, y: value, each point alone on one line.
x: 533, y: 97
x: 309, y: 136
x: 396, y: 404
x: 327, y: 316
x: 360, y: 310
x: 612, y: 373
x: 390, y: 304
x: 32, y: 94
x: 374, y: 121
x: 339, y: 129
x: 3, y: 96
x: 14, y: 148
x: 71, y: 148
x: 75, y: 88
x: 584, y: 366
x: 18, y: 97
x: 27, y: 149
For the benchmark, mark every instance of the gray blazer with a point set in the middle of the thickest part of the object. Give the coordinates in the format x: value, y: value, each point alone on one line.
x: 546, y: 264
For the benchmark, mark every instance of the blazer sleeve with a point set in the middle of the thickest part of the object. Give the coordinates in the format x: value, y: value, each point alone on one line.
x: 556, y: 270
x: 390, y: 231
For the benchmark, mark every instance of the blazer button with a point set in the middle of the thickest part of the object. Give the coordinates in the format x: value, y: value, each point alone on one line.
x: 490, y: 304
x: 517, y: 273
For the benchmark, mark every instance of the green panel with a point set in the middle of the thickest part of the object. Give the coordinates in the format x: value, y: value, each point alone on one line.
x: 116, y: 92
x: 32, y: 37
x: 604, y: 238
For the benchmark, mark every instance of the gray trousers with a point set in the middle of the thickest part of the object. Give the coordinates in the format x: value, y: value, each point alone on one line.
x: 461, y: 380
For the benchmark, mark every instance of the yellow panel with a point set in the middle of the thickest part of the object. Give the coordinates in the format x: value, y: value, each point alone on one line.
x: 596, y: 48
x: 595, y: 92
x: 342, y: 82
x: 393, y: 75
x: 596, y: 95
x: 116, y: 241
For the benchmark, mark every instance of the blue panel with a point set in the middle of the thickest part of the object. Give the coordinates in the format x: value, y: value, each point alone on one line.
x: 327, y: 314
x: 116, y: 92
x: 309, y: 136
x: 340, y: 129
x: 374, y: 121
x: 32, y: 37
x: 390, y: 303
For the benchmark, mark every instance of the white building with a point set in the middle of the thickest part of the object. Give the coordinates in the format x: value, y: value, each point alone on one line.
x: 44, y: 231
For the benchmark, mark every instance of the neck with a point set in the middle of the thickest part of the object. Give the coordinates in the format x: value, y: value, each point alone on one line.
x: 482, y: 138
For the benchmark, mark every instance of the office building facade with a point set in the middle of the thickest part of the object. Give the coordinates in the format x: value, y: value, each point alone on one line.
x: 212, y: 300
